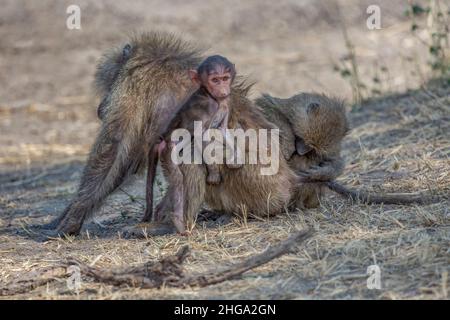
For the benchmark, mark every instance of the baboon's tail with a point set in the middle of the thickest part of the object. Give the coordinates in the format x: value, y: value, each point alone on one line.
x: 389, y: 198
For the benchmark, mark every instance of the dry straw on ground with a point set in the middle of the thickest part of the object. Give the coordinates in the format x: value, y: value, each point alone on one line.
x: 398, y: 144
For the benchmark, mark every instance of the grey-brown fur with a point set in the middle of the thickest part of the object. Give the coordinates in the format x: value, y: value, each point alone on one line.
x: 144, y: 96
x: 320, y: 122
x: 108, y: 70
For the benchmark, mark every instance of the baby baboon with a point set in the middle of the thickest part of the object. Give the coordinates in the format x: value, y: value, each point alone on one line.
x: 145, y: 93
x: 210, y: 106
x: 241, y: 191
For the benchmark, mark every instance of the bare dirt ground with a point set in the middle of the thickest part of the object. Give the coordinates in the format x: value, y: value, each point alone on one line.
x: 398, y: 142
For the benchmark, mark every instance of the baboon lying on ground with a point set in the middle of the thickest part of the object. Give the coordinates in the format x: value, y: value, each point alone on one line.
x: 142, y: 87
x: 312, y: 127
x: 308, y: 121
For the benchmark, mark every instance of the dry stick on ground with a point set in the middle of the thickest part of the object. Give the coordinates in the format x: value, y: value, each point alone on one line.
x: 33, y: 280
x: 168, y: 271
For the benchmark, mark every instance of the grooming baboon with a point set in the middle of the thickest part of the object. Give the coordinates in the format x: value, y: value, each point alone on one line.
x: 312, y: 127
x: 208, y: 105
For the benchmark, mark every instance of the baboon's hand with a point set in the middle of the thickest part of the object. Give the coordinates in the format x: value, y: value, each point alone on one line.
x: 327, y: 170
x: 316, y: 174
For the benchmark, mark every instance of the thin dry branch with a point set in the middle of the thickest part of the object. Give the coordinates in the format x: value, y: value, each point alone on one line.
x: 168, y: 271
x: 252, y: 262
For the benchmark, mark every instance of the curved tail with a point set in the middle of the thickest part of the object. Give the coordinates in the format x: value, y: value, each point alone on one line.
x: 389, y: 198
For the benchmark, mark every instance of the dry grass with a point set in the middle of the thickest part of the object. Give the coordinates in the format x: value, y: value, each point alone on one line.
x: 399, y: 143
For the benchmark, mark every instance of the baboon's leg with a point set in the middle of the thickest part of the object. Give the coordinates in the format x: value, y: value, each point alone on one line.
x: 105, y: 170
x: 175, y: 191
x: 162, y: 208
x: 312, y: 197
x: 213, y: 177
x: 230, y: 145
x: 306, y: 196
x: 194, y: 181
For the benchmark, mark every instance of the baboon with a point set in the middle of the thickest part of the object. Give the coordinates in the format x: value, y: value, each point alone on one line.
x: 145, y: 92
x: 241, y: 191
x: 312, y: 127
x: 210, y: 106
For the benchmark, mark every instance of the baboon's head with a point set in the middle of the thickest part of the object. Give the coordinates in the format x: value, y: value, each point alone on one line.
x: 317, y: 119
x: 319, y: 122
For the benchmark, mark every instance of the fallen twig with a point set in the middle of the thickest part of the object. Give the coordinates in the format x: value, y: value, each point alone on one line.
x: 168, y: 271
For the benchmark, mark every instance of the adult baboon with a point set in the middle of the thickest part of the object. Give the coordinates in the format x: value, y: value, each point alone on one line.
x: 312, y: 127
x: 145, y: 94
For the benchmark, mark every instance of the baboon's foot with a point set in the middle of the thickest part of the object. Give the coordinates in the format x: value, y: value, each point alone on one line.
x: 213, y: 178
x: 148, y: 214
x: 145, y: 230
x: 186, y: 233
x: 52, y: 225
x: 311, y: 201
x: 214, y: 218
x: 61, y: 232
x: 160, y: 211
x: 70, y: 226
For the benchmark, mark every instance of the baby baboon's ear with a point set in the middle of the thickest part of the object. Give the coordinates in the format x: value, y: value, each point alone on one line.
x: 312, y: 108
x: 195, y: 77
